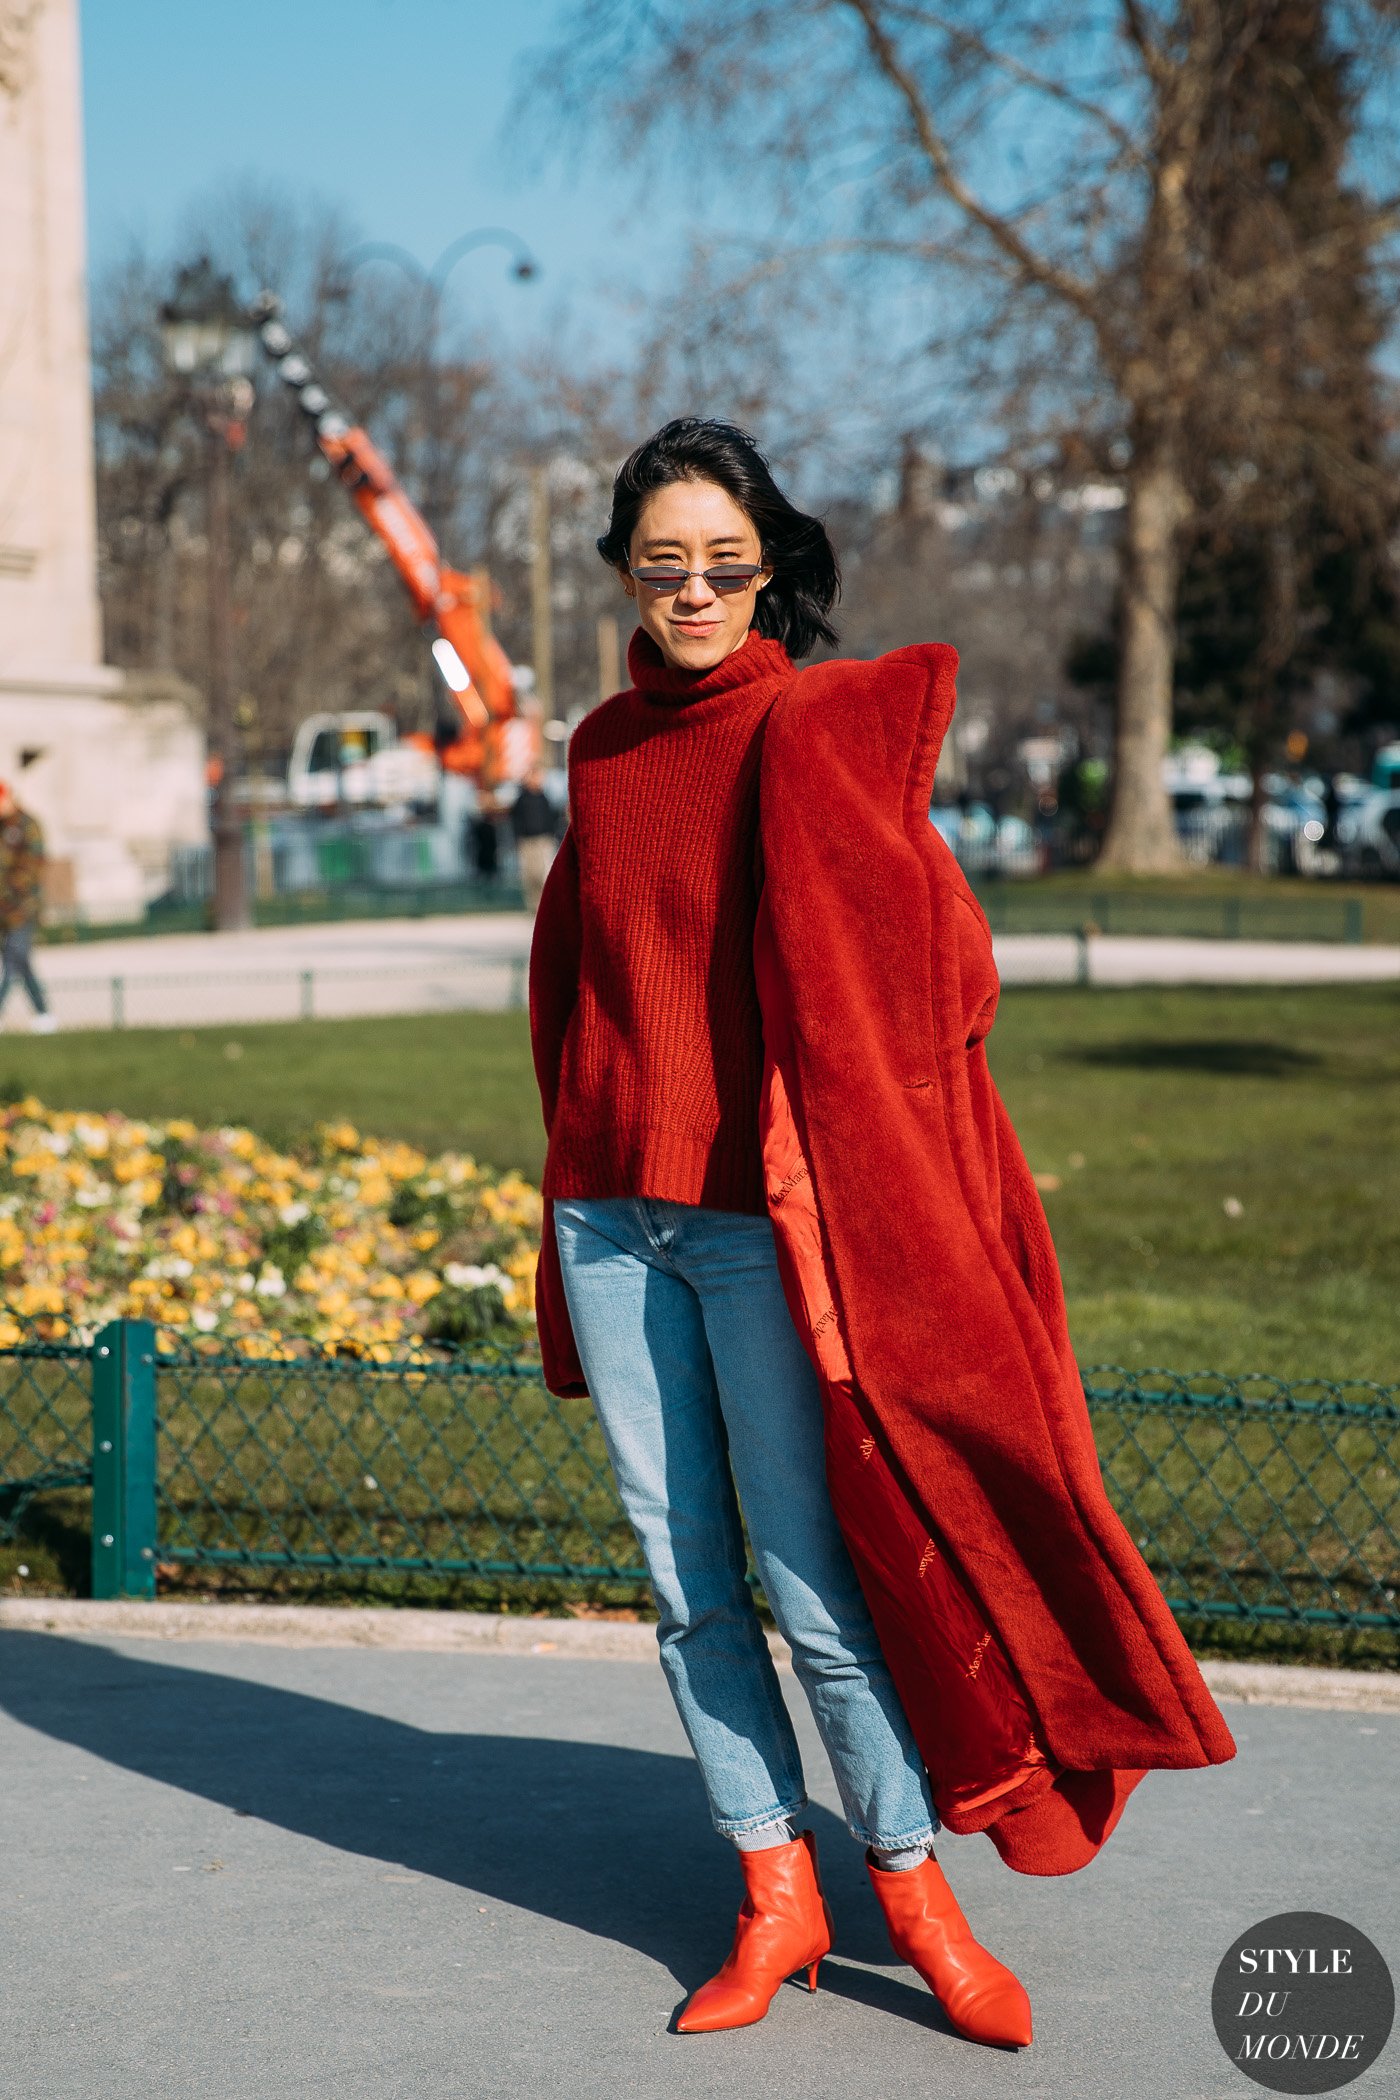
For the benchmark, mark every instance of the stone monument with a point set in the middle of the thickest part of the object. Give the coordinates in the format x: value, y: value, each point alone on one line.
x: 111, y: 764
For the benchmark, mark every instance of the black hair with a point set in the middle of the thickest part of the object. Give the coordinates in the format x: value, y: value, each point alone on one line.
x: 806, y: 580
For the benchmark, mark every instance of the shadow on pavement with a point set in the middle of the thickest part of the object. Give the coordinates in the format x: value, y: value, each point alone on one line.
x: 607, y: 1838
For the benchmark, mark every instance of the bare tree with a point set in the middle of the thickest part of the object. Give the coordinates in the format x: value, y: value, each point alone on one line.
x: 1055, y: 175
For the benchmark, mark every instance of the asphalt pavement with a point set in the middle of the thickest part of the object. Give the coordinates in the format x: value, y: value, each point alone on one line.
x: 235, y: 1871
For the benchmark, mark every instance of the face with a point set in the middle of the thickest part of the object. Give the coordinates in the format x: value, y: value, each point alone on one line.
x: 694, y: 524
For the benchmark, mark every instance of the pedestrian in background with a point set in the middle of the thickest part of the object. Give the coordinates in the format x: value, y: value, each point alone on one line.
x: 535, y: 823
x: 483, y: 839
x: 21, y: 900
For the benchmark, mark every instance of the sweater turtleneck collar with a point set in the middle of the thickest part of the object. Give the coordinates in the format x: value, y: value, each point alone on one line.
x: 757, y: 657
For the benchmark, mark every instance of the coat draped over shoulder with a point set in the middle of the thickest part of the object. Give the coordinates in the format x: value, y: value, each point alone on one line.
x: 1041, y: 1668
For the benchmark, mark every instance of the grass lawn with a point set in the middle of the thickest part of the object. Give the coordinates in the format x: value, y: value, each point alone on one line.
x: 1229, y: 1171
x: 459, y: 1081
x: 1227, y: 1160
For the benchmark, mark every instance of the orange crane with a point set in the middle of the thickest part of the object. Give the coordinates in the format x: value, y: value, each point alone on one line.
x: 473, y: 664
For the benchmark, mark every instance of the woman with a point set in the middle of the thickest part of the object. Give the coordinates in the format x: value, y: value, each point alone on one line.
x: 789, y: 1236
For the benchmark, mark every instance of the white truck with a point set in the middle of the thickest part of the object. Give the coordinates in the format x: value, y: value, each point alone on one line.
x: 356, y: 760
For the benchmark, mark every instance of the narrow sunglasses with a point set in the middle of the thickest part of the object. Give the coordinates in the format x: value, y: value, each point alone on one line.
x: 724, y: 577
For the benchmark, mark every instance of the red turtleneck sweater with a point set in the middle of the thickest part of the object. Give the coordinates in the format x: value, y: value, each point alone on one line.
x: 642, y: 960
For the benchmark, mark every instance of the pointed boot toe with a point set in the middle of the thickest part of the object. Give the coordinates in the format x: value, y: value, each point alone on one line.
x: 724, y: 2002
x: 995, y: 2012
x: 981, y: 1997
x: 784, y: 1925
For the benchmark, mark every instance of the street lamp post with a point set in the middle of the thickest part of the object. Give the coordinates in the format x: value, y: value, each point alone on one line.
x: 211, y: 349
x: 430, y: 282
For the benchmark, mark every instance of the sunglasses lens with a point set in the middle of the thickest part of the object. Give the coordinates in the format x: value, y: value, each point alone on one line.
x: 727, y: 576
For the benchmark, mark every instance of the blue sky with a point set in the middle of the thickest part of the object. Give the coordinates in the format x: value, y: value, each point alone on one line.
x: 389, y: 109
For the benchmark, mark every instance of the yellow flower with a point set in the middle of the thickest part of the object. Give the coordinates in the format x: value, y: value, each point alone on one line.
x: 169, y: 1266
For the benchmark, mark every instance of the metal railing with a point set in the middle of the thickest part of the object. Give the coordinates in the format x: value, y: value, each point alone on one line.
x: 45, y: 1422
x: 1292, y: 915
x: 1252, y: 1500
x: 489, y: 980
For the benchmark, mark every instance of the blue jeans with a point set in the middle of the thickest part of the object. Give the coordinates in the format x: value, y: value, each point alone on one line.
x: 695, y: 1367
x: 15, y: 952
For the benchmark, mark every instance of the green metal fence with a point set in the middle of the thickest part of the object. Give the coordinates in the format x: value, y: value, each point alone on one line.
x: 1290, y: 914
x: 1252, y: 1501
x: 46, y: 1424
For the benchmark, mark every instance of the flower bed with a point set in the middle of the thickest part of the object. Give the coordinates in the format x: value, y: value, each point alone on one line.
x: 353, y: 1246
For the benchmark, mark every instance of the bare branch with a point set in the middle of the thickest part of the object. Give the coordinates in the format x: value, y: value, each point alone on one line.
x: 1028, y: 76
x: 1237, y: 299
x: 1036, y: 268
x: 1154, y: 62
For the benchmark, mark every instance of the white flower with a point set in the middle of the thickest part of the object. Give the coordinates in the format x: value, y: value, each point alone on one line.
x: 246, y: 1281
x: 293, y: 1213
x: 470, y: 1276
x: 58, y: 1142
x: 91, y: 1197
x: 204, y: 1318
x: 169, y: 1265
x: 272, y: 1283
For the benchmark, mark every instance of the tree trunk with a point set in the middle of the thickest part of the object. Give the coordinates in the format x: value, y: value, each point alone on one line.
x: 1141, y: 836
x: 1255, y: 857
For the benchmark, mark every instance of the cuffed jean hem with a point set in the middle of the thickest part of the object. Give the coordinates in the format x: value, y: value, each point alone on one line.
x: 915, y: 1838
x: 745, y: 1826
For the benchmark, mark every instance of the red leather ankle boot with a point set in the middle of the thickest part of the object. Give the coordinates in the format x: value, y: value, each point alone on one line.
x: 980, y: 1995
x: 784, y: 1925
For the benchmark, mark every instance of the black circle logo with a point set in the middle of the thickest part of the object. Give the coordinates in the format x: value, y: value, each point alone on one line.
x: 1303, y: 2003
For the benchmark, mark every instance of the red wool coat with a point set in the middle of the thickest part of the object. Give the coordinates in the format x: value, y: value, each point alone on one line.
x: 1040, y: 1666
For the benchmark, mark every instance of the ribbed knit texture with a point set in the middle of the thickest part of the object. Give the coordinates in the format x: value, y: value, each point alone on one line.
x: 663, y: 1056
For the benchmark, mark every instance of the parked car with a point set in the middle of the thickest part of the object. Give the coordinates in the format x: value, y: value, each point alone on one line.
x: 1368, y: 834
x: 984, y: 843
x: 1212, y: 812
